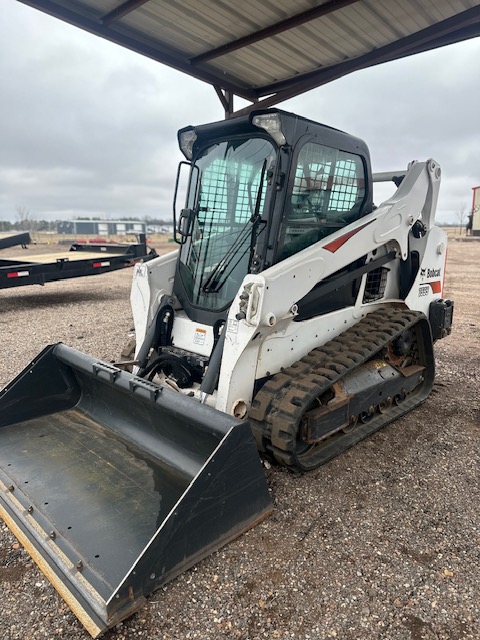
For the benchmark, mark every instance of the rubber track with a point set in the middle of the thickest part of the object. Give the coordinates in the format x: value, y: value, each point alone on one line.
x: 279, y: 406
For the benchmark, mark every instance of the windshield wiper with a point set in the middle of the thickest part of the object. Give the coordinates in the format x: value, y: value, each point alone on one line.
x: 214, y: 282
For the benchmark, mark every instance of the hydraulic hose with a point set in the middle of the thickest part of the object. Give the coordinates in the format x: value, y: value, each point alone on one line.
x: 210, y: 379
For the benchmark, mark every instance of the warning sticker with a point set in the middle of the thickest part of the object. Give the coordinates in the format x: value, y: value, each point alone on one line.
x: 200, y: 336
x: 232, y: 325
x: 140, y: 270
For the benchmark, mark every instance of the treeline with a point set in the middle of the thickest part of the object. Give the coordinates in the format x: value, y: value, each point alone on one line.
x: 28, y: 225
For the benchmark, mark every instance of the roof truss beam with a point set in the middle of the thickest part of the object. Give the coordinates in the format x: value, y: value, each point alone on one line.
x: 460, y: 27
x: 126, y: 7
x: 226, y: 98
x: 273, y: 30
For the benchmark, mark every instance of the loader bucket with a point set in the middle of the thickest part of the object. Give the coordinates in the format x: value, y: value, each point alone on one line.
x: 115, y: 485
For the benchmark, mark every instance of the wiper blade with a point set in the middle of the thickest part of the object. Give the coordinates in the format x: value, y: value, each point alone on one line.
x: 211, y: 283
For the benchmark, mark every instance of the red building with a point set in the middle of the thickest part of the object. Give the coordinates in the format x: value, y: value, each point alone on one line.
x: 476, y: 211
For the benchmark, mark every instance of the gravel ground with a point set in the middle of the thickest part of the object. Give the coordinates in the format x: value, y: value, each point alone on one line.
x: 381, y: 543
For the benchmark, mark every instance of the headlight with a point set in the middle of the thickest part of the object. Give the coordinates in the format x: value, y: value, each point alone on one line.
x: 271, y: 123
x: 187, y: 140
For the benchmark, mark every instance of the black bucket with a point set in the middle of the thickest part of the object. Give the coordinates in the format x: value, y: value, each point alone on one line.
x: 115, y: 485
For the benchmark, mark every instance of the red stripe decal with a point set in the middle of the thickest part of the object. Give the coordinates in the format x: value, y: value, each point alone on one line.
x: 436, y: 286
x: 339, y: 242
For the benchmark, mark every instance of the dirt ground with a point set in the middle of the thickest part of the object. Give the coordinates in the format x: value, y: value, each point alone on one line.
x: 381, y: 543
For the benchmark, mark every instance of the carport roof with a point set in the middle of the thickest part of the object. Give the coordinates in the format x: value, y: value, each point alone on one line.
x: 270, y: 50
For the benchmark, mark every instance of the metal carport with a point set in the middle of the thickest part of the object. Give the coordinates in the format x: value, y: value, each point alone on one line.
x: 269, y: 51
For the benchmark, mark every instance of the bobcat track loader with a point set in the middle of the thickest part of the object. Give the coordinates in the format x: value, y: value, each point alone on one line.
x: 293, y: 310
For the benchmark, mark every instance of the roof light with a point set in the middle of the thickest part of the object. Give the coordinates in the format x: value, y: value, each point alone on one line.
x: 187, y: 140
x: 271, y: 123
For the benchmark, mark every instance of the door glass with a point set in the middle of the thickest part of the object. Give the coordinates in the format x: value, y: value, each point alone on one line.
x: 328, y: 193
x: 227, y: 199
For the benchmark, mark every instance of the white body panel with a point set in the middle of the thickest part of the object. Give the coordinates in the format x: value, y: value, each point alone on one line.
x: 269, y: 338
x: 151, y: 280
x: 428, y: 284
x: 192, y: 336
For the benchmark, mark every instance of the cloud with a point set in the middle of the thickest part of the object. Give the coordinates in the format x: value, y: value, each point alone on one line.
x: 412, y: 109
x: 87, y: 125
x: 89, y: 128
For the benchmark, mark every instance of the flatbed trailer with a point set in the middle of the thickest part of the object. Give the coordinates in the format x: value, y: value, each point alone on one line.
x: 13, y: 241
x: 80, y: 260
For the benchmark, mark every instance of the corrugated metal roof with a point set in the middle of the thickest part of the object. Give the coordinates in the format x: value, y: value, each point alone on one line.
x: 271, y: 50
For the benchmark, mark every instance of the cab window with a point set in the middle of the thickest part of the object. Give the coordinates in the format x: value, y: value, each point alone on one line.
x: 328, y: 193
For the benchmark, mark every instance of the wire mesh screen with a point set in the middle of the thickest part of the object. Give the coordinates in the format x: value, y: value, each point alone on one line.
x: 328, y: 179
x: 229, y: 193
x: 345, y: 186
x: 228, y: 199
x: 328, y: 193
x: 375, y: 285
x: 213, y: 196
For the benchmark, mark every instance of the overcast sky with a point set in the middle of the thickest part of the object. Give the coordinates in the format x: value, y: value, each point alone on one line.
x: 88, y: 128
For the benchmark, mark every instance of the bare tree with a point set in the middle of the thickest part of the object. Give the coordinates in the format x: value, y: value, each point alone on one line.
x: 461, y: 216
x: 24, y: 219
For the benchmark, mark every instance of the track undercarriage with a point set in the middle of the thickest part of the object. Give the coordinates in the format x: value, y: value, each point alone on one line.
x: 346, y: 390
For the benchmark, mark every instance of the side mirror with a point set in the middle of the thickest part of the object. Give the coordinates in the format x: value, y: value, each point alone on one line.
x: 186, y: 186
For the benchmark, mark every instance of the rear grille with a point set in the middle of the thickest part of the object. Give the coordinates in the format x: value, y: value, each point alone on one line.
x: 375, y: 285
